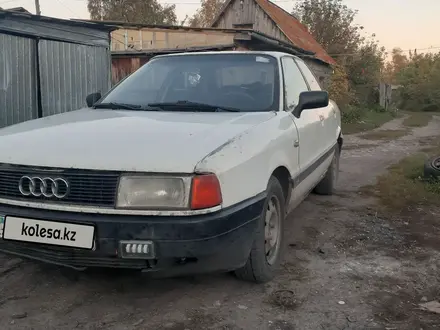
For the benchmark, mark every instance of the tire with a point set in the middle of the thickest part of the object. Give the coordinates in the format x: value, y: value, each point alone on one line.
x: 432, y: 168
x: 327, y: 185
x: 261, y: 266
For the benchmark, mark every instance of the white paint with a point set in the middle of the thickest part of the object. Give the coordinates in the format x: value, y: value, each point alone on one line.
x: 242, y: 149
x: 123, y: 140
x: 301, y: 191
x: 48, y: 232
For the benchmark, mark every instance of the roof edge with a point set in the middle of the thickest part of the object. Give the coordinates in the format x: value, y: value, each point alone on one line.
x: 270, y: 3
x: 120, y: 24
x: 78, y: 23
x: 171, y: 50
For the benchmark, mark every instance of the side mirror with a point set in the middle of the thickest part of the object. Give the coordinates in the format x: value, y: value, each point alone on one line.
x: 91, y: 99
x: 311, y: 100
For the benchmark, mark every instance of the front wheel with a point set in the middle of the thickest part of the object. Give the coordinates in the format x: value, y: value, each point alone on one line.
x: 267, y: 248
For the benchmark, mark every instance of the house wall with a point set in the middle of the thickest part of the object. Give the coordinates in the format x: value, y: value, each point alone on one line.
x: 124, y: 66
x: 151, y: 38
x: 248, y: 12
x: 322, y: 71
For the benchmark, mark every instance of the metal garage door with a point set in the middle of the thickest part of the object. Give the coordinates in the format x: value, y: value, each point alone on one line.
x: 18, y: 83
x: 69, y: 72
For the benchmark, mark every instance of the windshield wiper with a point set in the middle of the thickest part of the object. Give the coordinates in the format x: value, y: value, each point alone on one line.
x: 124, y: 106
x: 188, y: 105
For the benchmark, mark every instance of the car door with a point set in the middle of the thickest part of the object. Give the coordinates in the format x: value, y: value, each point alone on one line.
x: 327, y: 115
x: 308, y: 124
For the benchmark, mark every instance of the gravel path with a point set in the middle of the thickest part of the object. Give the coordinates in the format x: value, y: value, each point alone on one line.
x: 347, y: 267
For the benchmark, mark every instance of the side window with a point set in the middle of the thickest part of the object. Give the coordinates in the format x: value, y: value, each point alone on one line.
x: 294, y: 83
x: 310, y: 77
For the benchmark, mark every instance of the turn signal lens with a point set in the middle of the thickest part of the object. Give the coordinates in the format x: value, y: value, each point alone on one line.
x: 205, y: 192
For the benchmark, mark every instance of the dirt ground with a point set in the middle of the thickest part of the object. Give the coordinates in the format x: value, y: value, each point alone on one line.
x: 348, y: 266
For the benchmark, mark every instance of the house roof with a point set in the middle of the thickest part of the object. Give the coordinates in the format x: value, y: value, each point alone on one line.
x: 296, y: 32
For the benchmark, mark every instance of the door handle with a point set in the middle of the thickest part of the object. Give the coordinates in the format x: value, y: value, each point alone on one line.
x: 296, y: 144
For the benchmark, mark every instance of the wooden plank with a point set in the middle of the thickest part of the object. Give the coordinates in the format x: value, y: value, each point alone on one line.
x: 166, y: 38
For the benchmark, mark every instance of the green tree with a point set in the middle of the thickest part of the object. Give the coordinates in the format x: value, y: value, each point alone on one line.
x: 339, y: 89
x: 364, y: 72
x: 331, y: 23
x: 420, y: 82
x: 205, y: 15
x: 135, y: 11
x: 398, y: 62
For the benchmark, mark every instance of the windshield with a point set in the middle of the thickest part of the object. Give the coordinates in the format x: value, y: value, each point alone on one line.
x: 247, y: 82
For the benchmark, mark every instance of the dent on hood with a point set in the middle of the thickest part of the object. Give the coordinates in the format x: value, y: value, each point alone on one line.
x: 218, y: 152
x: 233, y: 148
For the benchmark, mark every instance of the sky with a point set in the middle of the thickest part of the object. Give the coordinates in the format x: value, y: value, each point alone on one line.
x: 408, y: 24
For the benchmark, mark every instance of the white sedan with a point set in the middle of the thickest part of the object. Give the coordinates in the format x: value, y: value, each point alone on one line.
x: 187, y: 166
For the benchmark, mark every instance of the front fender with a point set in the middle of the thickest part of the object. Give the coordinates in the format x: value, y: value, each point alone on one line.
x: 245, y: 163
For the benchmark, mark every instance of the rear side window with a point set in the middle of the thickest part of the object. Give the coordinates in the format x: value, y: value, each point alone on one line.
x: 310, y: 77
x: 294, y: 83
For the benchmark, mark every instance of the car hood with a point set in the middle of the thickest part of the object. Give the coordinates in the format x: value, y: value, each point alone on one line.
x: 123, y: 140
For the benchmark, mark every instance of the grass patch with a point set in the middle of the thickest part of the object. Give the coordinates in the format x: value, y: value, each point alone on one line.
x: 403, y: 186
x: 417, y: 119
x: 385, y: 134
x: 355, y: 121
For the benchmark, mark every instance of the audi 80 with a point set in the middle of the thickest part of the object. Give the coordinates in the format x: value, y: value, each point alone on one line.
x: 189, y: 165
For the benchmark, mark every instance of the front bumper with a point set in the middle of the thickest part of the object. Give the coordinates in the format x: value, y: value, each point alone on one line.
x: 219, y: 241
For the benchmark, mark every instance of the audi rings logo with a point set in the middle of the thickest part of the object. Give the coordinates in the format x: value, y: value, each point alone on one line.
x: 43, y: 186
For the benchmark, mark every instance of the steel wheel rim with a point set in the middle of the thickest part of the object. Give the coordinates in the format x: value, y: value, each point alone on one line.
x: 436, y: 163
x: 272, y: 230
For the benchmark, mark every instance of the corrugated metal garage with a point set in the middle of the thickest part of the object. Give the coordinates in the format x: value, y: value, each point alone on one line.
x: 49, y: 66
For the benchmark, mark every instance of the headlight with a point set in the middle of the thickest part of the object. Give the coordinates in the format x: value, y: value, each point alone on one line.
x: 151, y: 192
x: 169, y: 192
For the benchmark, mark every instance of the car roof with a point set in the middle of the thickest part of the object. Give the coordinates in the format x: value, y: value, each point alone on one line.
x: 232, y: 52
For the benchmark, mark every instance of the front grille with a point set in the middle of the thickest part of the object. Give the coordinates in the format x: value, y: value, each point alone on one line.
x: 86, y: 187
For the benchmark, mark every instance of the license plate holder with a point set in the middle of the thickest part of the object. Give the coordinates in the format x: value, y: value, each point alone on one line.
x: 47, y: 232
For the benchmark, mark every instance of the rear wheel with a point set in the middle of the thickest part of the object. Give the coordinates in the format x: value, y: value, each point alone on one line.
x: 268, y: 245
x: 327, y: 185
